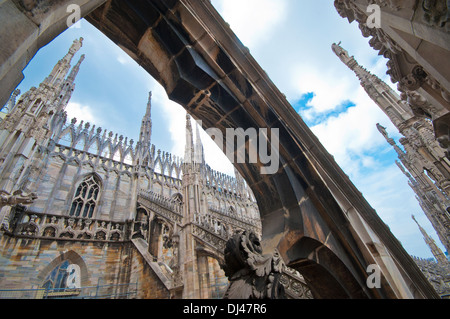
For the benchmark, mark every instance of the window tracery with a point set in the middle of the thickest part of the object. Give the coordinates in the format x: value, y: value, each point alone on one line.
x: 86, y: 198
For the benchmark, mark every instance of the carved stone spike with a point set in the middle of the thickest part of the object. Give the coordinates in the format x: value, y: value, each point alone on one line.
x: 436, y: 12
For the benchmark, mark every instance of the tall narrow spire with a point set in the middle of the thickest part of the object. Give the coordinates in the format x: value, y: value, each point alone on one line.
x: 74, y: 72
x: 383, y: 132
x: 148, y: 111
x: 400, y: 152
x: 435, y: 250
x: 60, y: 70
x: 381, y: 93
x: 199, y: 154
x: 189, y: 147
x: 146, y: 126
x: 76, y: 46
x: 420, y: 155
x: 69, y: 85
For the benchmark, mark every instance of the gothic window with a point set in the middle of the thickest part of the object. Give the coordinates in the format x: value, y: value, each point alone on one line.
x: 57, y: 278
x: 178, y: 198
x: 86, y: 197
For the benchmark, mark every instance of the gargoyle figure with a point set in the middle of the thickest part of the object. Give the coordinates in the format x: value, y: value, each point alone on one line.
x: 17, y: 197
x: 252, y: 275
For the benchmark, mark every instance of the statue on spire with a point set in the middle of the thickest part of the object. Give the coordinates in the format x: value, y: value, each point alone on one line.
x: 76, y: 46
x: 383, y: 132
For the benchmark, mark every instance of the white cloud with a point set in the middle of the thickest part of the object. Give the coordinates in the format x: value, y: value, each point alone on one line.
x: 123, y: 59
x: 214, y: 156
x: 252, y: 20
x: 329, y: 89
x: 82, y: 113
x: 174, y: 114
x: 176, y: 117
x: 352, y: 132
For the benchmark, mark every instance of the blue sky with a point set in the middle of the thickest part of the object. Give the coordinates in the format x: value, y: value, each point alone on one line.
x: 291, y: 40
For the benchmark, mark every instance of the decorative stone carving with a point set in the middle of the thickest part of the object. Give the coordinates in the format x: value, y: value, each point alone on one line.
x: 444, y: 142
x: 252, y: 275
x: 392, y: 4
x: 414, y: 80
x: 436, y: 12
x: 17, y: 197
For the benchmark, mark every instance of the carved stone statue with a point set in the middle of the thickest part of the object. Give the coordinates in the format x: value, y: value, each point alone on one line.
x: 252, y: 275
x: 17, y: 197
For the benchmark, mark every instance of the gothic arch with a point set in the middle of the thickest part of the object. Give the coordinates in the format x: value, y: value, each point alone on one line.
x: 208, y: 269
x: 142, y: 213
x: 326, y: 275
x: 205, y: 251
x: 73, y: 258
x: 156, y: 230
x: 178, y: 198
x: 65, y: 139
x: 106, y: 150
x: 93, y: 146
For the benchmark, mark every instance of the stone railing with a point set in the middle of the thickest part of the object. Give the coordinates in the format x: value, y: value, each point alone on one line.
x: 161, y: 205
x: 438, y: 274
x: 216, y: 238
x: 295, y: 285
x: 210, y: 238
x: 46, y: 226
x: 234, y: 221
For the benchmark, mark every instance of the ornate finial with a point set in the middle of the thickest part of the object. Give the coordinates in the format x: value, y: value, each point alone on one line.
x: 337, y: 49
x: 149, y: 103
x: 383, y: 132
x: 76, y: 45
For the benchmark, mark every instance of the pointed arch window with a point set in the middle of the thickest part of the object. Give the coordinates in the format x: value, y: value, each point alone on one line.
x: 57, y: 278
x: 178, y: 198
x: 86, y: 198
